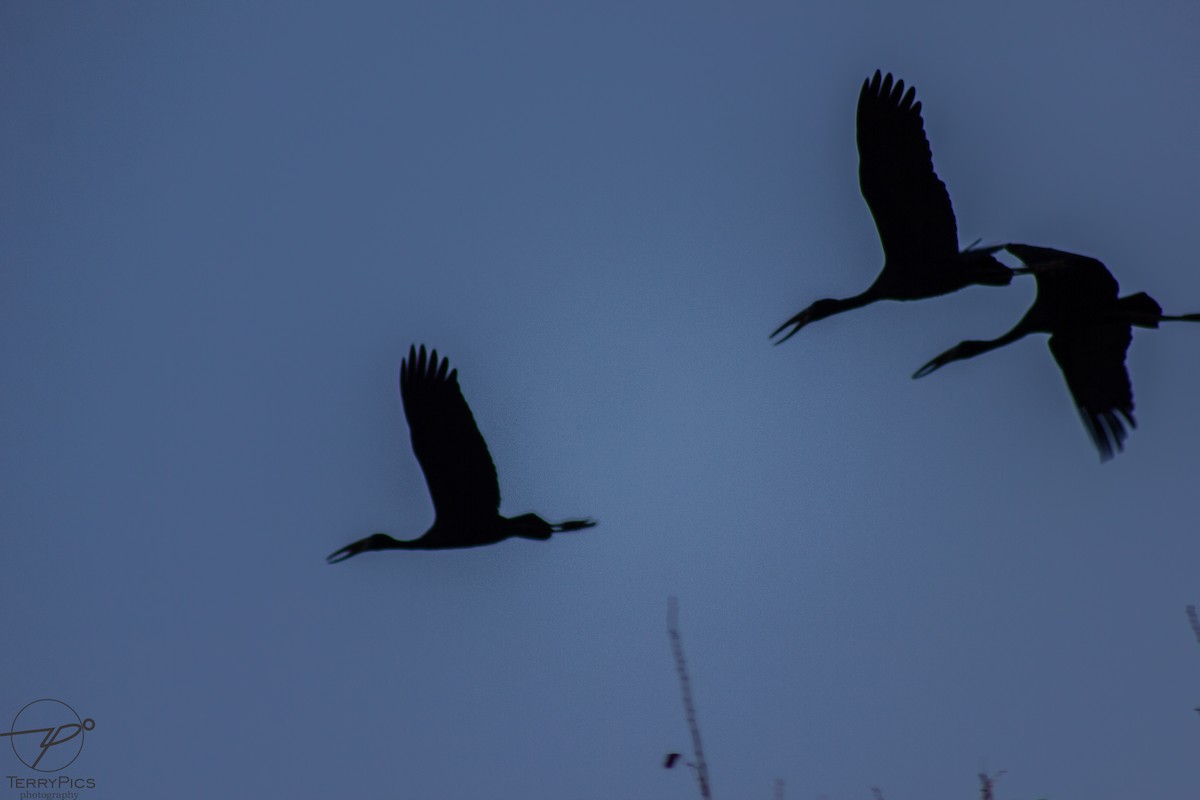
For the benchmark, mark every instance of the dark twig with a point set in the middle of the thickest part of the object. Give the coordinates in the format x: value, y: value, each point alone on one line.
x: 1194, y: 621
x: 689, y: 708
x: 988, y: 783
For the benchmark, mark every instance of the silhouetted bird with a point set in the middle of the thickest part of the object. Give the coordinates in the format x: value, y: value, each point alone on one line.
x: 670, y: 760
x: 1090, y: 329
x: 911, y: 209
x: 457, y: 466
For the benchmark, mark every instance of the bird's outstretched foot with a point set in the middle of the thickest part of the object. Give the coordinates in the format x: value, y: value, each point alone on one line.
x: 573, y: 525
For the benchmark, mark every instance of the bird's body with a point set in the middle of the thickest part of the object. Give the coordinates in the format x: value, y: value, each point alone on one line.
x: 458, y: 469
x: 911, y: 208
x: 1090, y: 329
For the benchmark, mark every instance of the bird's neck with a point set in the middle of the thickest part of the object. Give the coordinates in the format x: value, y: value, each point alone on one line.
x: 386, y: 542
x: 1019, y: 332
x: 830, y: 306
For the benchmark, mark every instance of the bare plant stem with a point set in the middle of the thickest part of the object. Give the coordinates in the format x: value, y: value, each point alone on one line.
x: 689, y: 708
x: 988, y: 783
x: 1194, y: 621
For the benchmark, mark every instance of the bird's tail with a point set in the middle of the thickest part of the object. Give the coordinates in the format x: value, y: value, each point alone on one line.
x: 1142, y: 309
x: 531, y: 526
x: 1148, y: 313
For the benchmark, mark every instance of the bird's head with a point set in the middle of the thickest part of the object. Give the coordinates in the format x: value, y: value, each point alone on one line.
x: 817, y: 311
x: 967, y: 349
x: 376, y: 541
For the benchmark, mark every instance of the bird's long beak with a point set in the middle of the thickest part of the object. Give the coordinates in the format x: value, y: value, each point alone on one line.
x: 347, y: 551
x: 796, y: 323
x: 932, y: 366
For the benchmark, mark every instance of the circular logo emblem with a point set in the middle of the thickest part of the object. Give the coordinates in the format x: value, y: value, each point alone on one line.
x: 47, y: 735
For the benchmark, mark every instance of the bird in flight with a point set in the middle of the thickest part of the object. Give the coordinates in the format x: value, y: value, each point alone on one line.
x: 911, y: 209
x: 458, y: 469
x: 1090, y: 330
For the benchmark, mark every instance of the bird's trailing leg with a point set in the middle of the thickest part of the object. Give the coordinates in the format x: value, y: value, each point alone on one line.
x: 531, y: 526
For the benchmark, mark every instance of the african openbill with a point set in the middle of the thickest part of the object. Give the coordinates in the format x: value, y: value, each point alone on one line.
x: 457, y: 466
x: 911, y: 209
x: 1090, y: 329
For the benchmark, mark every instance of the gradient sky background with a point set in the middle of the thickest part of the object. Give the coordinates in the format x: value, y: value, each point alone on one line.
x: 222, y: 227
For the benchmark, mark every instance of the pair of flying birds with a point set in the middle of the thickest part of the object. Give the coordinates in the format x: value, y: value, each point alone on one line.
x: 1090, y: 327
x: 1077, y: 304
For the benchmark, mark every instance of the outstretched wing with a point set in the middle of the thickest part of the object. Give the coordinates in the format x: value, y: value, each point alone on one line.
x: 1067, y: 281
x: 1092, y: 359
x: 445, y: 439
x: 895, y: 170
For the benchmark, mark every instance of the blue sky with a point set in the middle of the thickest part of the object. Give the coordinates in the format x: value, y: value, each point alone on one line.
x: 222, y: 227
